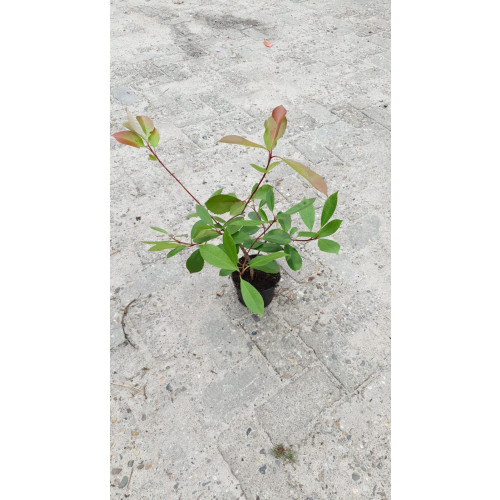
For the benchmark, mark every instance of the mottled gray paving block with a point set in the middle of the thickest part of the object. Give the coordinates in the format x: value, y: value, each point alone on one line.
x: 237, y: 389
x: 381, y: 114
x: 125, y: 95
x: 286, y: 414
x: 247, y: 449
x: 314, y: 151
x: 183, y: 111
x: 224, y: 342
x: 278, y: 343
x: 207, y: 135
x: 351, y: 366
x: 319, y: 112
x: 170, y: 454
x: 347, y: 450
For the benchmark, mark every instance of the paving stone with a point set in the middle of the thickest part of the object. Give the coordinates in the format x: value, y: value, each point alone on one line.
x: 247, y: 449
x: 237, y: 389
x: 347, y: 449
x: 279, y: 344
x: 125, y: 95
x: 311, y: 392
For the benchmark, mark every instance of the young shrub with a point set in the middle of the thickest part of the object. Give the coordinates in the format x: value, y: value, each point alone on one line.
x: 227, y: 225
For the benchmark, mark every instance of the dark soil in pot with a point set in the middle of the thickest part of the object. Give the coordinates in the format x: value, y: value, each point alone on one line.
x: 265, y: 283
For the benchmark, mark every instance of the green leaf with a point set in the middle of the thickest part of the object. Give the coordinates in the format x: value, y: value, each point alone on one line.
x: 285, y: 220
x: 225, y: 272
x: 230, y: 247
x: 277, y: 236
x: 262, y: 260
x: 236, y: 139
x: 154, y: 138
x: 293, y: 231
x: 152, y: 158
x: 270, y: 199
x: 237, y: 208
x: 264, y: 170
x: 308, y: 234
x: 241, y: 237
x: 308, y: 215
x: 205, y: 235
x: 219, y: 191
x: 300, y: 206
x: 250, y: 223
x: 159, y: 229
x: 204, y: 215
x: 293, y: 259
x: 220, y: 219
x: 263, y: 215
x: 190, y: 216
x: 271, y: 268
x: 175, y: 251
x: 268, y: 125
x: 268, y: 247
x: 250, y: 229
x: 329, y: 208
x: 221, y: 203
x: 312, y: 177
x: 146, y: 124
x: 328, y: 246
x: 252, y: 298
x: 129, y: 139
x: 330, y: 228
x: 217, y: 257
x: 261, y: 193
x: 195, y: 262
x: 260, y: 169
x: 161, y: 245
x: 198, y: 226
x: 253, y: 216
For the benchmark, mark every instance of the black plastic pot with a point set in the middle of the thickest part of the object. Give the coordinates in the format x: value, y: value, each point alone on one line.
x: 267, y: 292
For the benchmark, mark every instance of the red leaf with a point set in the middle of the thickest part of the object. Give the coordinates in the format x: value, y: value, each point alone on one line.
x: 129, y: 139
x: 267, y: 44
x: 278, y: 115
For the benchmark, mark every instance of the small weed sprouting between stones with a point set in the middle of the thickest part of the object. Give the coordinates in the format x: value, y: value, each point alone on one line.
x: 282, y: 453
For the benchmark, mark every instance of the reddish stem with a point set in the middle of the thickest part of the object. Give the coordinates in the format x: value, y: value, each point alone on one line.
x: 163, y: 165
x: 182, y: 185
x: 247, y: 255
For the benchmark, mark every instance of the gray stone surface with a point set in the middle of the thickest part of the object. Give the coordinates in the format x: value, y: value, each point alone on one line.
x: 313, y: 373
x: 285, y: 415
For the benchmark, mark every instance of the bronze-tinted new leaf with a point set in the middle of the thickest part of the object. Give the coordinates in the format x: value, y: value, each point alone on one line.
x: 129, y: 138
x: 146, y: 124
x: 236, y: 139
x: 279, y: 117
x: 312, y: 177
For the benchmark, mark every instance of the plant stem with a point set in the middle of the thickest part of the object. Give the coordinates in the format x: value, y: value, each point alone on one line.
x: 270, y: 156
x: 184, y: 187
x: 247, y: 255
x: 153, y: 152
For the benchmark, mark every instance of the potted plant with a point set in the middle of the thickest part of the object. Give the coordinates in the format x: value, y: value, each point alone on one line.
x: 249, y: 225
